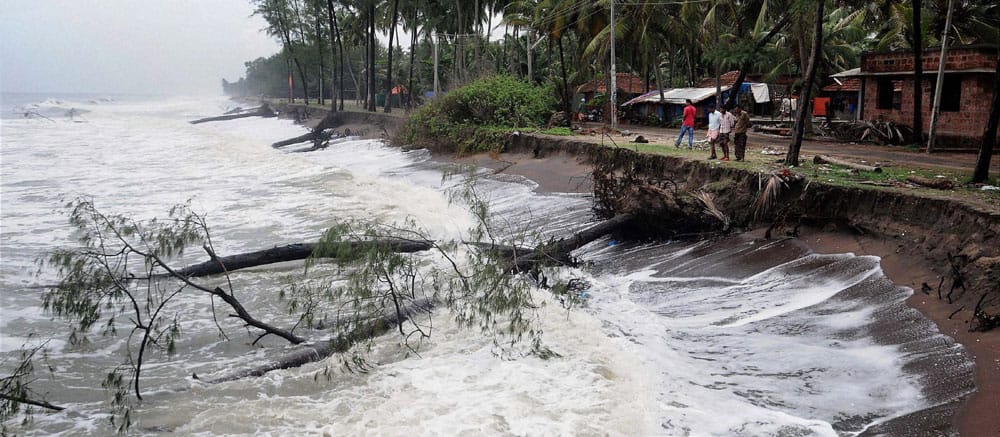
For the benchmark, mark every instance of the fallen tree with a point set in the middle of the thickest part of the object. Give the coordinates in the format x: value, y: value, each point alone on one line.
x: 261, y: 111
x: 322, y: 132
x: 379, y: 286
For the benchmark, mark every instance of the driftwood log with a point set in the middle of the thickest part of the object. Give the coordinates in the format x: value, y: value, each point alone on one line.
x: 262, y: 111
x: 290, y: 252
x: 940, y: 184
x: 822, y: 159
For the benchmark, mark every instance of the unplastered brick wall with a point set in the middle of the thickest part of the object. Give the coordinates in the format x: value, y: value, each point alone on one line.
x: 959, y: 58
x: 968, y: 122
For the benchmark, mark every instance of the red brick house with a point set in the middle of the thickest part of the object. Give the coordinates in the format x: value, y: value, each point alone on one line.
x: 886, y: 91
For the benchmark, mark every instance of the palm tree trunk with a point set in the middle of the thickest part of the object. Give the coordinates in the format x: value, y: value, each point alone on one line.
x: 388, y: 69
x: 565, y: 80
x: 802, y: 115
x: 372, y: 86
x: 319, y: 51
x: 990, y: 133
x: 918, y: 74
x: 334, y: 43
x: 291, y: 52
x: 413, y: 49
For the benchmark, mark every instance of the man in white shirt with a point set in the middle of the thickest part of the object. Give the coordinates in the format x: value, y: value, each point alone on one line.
x: 726, y: 122
x: 714, y: 118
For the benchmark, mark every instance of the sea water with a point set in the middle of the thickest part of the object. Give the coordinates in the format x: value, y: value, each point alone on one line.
x: 735, y: 337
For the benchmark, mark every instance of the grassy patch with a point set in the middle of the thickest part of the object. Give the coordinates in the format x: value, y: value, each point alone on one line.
x: 560, y: 131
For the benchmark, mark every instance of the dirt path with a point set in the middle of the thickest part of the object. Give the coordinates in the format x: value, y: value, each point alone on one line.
x: 884, y: 155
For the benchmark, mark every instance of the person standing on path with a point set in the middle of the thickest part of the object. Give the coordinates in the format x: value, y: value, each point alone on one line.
x: 714, y: 119
x: 725, y: 126
x: 687, y: 125
x: 740, y: 132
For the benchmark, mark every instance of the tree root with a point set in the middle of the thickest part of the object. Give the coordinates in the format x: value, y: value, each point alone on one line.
x: 981, y: 320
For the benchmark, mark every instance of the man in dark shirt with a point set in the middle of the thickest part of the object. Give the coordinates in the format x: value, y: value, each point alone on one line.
x: 740, y: 132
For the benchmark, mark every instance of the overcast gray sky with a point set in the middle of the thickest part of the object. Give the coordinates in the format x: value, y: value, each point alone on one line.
x: 123, y: 46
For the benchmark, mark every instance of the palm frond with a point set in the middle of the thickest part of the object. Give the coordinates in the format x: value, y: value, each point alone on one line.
x: 767, y: 194
x: 708, y: 202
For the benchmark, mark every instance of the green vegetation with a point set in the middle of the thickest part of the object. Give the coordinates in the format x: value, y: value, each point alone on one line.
x: 478, y: 116
x: 558, y: 131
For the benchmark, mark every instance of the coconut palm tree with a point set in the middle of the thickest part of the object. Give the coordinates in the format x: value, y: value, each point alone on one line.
x: 792, y: 158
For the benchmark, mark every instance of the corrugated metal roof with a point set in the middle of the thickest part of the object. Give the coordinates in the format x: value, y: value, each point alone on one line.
x: 676, y: 96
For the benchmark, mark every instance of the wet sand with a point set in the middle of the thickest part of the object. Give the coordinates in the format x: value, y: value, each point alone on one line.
x: 977, y: 417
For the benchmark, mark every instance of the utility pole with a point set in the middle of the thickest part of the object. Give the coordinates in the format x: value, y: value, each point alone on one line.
x: 614, y: 75
x: 940, y: 80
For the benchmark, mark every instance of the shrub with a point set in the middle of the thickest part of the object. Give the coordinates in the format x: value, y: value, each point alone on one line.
x: 476, y: 117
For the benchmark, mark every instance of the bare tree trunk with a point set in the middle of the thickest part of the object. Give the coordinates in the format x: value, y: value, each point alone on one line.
x: 413, y: 49
x: 322, y: 67
x: 335, y: 28
x: 990, y: 133
x: 372, y: 52
x: 286, y: 35
x: 388, y: 69
x: 565, y: 81
x: 918, y: 74
x: 802, y: 115
x: 334, y: 41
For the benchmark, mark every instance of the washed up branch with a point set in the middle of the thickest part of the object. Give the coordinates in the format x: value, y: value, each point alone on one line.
x: 262, y: 111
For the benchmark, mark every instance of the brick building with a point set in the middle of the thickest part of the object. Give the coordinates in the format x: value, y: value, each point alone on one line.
x: 886, y: 91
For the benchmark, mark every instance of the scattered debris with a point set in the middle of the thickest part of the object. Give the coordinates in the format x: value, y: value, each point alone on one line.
x: 771, y: 151
x: 880, y: 132
x: 640, y: 139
